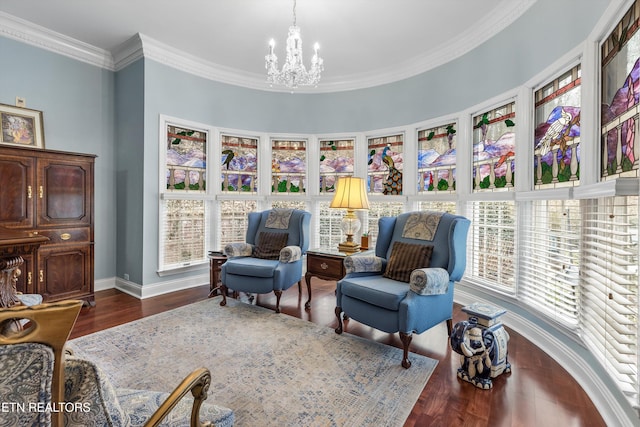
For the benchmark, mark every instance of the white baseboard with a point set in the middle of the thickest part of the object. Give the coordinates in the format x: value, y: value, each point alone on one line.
x: 104, y: 284
x: 161, y: 288
x: 583, y: 372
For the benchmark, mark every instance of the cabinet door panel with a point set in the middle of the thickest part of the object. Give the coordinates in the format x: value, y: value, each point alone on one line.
x: 16, y: 191
x: 63, y: 272
x: 64, y: 193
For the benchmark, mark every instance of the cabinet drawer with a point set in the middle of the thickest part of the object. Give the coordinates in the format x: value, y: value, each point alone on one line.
x: 67, y: 235
x: 325, y: 266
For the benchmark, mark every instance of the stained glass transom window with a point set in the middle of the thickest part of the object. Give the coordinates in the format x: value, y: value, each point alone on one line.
x: 620, y: 97
x: 288, y: 166
x: 186, y: 159
x: 557, y: 132
x: 385, y: 164
x: 494, y: 149
x: 239, y: 169
x: 437, y: 159
x: 336, y: 160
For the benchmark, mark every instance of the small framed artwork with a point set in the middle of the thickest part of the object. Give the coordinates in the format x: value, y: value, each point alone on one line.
x: 21, y: 127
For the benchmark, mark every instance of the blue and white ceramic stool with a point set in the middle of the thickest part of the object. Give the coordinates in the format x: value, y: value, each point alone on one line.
x: 481, y: 342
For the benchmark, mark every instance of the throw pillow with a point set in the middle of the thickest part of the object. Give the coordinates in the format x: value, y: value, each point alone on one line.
x: 270, y: 244
x: 406, y: 257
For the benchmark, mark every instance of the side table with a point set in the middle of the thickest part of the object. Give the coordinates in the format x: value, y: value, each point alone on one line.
x: 216, y: 259
x: 326, y: 264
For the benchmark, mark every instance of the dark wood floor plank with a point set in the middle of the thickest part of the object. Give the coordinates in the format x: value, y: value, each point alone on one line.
x: 539, y: 392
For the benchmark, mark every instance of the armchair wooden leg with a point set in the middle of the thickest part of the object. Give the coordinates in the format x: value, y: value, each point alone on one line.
x: 406, y: 340
x: 449, y: 326
x: 339, y: 316
x: 278, y: 295
x: 307, y: 304
x: 224, y: 290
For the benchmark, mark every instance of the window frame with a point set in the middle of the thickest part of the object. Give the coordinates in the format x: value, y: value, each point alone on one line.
x: 205, y: 196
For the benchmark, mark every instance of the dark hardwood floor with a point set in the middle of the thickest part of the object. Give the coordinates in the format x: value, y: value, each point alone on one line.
x: 539, y: 392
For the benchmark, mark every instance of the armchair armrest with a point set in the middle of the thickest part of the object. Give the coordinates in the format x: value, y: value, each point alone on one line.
x: 237, y: 249
x: 363, y: 264
x: 198, y: 384
x: 290, y: 254
x: 429, y: 281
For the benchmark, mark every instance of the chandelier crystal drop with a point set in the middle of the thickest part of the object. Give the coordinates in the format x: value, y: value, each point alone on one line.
x: 293, y: 73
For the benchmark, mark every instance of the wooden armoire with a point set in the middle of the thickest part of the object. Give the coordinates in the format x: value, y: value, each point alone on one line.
x: 50, y: 193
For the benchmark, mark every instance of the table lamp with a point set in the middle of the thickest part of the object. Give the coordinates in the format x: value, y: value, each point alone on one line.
x: 350, y: 195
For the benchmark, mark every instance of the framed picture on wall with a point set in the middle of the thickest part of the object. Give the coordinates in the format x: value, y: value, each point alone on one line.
x: 21, y: 127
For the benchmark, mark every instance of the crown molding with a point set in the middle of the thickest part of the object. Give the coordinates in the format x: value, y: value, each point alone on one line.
x: 127, y: 53
x: 503, y: 16
x: 140, y: 45
x: 172, y: 57
x: 35, y: 35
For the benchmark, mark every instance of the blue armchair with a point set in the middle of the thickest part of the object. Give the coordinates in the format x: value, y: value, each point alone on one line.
x: 271, y: 257
x: 392, y: 290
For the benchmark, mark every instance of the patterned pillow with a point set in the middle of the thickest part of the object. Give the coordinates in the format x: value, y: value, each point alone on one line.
x: 406, y: 257
x: 270, y: 244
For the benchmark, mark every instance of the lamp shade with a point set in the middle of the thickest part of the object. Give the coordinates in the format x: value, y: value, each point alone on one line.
x: 350, y: 194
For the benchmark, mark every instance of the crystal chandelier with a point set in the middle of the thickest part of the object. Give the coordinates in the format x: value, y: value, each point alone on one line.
x: 293, y: 72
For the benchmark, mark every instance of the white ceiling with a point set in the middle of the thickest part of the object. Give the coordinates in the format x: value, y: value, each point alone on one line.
x: 363, y: 42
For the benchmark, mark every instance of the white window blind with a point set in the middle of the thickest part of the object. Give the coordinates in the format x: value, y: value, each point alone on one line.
x: 438, y: 206
x: 610, y: 287
x: 491, y: 252
x: 549, y: 264
x: 234, y: 220
x: 376, y: 211
x: 289, y: 204
x: 329, y: 234
x: 184, y: 227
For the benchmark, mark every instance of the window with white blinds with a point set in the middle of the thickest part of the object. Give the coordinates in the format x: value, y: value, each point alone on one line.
x: 289, y: 204
x: 184, y: 227
x: 439, y: 206
x: 376, y: 211
x: 234, y: 220
x: 491, y: 250
x: 609, y: 278
x: 329, y: 233
x: 183, y: 209
x: 549, y: 263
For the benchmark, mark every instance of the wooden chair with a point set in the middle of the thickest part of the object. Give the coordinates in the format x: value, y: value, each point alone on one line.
x: 71, y: 380
x: 50, y: 325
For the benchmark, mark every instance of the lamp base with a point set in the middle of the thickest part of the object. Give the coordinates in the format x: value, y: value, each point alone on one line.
x: 348, y: 247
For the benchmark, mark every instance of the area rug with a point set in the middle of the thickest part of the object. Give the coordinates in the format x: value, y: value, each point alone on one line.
x: 271, y: 369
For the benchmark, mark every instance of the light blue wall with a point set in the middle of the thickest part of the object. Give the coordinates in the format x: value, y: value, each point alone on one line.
x: 77, y: 101
x: 130, y: 171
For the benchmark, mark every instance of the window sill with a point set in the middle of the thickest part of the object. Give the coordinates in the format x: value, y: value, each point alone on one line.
x: 193, y: 266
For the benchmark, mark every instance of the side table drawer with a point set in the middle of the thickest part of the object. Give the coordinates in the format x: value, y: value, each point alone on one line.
x: 325, y: 266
